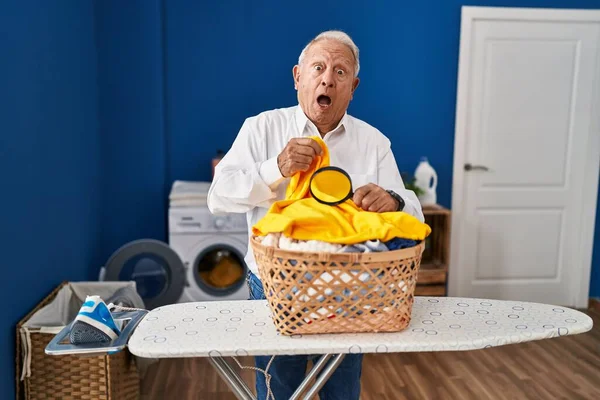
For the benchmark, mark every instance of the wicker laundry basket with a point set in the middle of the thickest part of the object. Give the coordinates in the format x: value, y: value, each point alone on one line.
x: 102, y: 377
x: 312, y: 293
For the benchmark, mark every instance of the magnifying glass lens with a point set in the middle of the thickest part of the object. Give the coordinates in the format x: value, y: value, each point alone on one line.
x: 330, y: 185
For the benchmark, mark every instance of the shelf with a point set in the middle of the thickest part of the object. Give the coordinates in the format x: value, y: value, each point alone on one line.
x: 428, y: 266
x: 435, y: 209
x: 430, y: 290
x: 432, y: 273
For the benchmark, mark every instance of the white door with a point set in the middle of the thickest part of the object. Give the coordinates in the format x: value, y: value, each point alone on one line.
x: 527, y: 155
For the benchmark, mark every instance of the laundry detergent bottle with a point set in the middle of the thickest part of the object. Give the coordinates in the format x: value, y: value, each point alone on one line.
x: 426, y: 180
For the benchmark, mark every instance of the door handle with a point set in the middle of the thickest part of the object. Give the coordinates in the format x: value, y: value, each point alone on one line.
x: 469, y: 167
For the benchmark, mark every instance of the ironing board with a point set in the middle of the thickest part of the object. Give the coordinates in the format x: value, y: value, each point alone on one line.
x: 244, y: 328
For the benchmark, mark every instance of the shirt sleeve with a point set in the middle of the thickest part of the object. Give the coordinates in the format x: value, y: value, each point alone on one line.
x: 244, y: 178
x: 390, y: 179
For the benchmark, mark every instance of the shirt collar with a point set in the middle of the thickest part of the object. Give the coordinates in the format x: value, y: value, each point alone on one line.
x: 302, y: 120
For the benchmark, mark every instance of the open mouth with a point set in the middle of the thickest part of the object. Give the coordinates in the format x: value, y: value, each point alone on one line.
x: 324, y: 101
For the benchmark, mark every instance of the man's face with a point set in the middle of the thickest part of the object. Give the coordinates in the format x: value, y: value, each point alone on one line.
x: 325, y: 82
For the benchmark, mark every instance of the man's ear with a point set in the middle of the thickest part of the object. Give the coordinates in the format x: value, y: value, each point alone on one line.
x: 355, y: 85
x: 296, y: 75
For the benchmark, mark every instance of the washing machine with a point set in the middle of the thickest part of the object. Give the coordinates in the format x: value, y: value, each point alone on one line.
x: 202, y: 261
x: 212, y: 250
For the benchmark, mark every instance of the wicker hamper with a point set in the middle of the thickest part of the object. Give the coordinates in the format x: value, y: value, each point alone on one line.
x: 113, y: 377
x: 338, y: 292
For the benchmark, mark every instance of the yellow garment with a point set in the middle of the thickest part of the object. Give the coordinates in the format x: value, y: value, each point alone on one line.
x: 302, y: 217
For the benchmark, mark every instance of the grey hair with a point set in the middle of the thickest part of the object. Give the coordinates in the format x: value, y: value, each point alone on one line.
x: 341, y: 37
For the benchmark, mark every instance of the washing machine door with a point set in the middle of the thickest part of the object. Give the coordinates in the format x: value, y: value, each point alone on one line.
x: 217, y: 267
x: 156, y: 269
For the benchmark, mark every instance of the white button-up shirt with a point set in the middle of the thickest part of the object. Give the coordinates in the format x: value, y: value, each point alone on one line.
x: 248, y: 180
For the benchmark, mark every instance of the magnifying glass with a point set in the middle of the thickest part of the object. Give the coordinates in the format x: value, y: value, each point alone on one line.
x: 331, y: 186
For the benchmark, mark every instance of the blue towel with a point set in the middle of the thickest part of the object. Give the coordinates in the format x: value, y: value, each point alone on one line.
x: 399, y: 243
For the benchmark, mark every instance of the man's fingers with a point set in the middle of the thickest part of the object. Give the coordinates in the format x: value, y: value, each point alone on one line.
x: 360, y: 193
x: 388, y: 207
x: 300, y: 158
x: 370, y: 199
x: 291, y: 167
x: 304, y: 150
x: 311, y: 143
x: 298, y: 155
x: 300, y: 166
x: 381, y: 203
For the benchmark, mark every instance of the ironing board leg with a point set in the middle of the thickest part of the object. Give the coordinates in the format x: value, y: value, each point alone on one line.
x: 233, y: 380
x: 317, y: 367
x: 327, y: 372
x: 325, y: 363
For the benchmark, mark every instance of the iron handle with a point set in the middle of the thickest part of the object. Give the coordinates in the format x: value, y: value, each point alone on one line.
x: 469, y: 167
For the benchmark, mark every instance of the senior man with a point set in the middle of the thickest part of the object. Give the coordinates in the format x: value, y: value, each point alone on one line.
x: 274, y: 145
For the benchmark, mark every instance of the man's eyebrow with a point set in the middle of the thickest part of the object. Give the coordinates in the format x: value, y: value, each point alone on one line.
x: 345, y: 63
x: 340, y: 62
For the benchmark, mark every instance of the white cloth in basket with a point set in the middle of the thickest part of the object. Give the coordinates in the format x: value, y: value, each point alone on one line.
x: 280, y: 241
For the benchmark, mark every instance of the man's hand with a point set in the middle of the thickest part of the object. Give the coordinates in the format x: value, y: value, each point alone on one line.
x: 374, y: 198
x: 297, y: 155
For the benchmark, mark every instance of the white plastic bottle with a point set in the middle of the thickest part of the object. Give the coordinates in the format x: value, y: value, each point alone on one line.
x: 426, y: 180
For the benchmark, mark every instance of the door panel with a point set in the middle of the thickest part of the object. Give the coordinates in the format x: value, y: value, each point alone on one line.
x: 526, y: 113
x: 518, y: 244
x: 529, y: 86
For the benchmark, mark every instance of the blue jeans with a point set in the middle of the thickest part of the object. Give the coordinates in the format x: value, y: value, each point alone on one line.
x: 287, y: 372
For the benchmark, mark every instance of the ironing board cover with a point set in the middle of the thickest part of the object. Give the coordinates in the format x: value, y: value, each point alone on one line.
x: 239, y: 328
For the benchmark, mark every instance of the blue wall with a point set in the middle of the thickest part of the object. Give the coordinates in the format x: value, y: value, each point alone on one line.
x: 131, y: 109
x: 49, y: 157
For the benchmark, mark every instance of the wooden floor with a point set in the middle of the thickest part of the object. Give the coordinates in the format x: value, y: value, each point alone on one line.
x: 560, y: 368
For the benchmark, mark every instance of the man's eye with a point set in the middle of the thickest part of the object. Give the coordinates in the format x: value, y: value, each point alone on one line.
x: 341, y: 72
x: 318, y: 67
